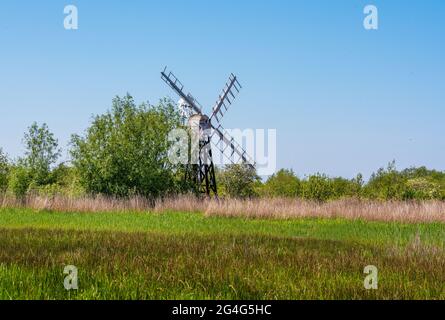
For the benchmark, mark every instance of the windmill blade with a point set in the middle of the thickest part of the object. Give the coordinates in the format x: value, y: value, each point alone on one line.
x: 178, y: 87
x: 226, y: 98
x: 227, y: 142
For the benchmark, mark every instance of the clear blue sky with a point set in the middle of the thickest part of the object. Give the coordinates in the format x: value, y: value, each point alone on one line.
x: 343, y: 99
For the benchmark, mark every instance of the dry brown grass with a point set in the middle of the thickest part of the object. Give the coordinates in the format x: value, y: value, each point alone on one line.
x: 76, y: 204
x: 402, y: 211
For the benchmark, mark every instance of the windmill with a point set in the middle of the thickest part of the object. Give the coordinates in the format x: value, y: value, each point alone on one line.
x: 201, y: 171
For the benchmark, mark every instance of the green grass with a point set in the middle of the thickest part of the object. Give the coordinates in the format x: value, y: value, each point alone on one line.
x: 189, y: 256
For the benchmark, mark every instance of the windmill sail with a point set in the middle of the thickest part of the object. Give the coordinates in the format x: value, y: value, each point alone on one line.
x: 177, y: 86
x: 228, y: 95
x: 227, y: 143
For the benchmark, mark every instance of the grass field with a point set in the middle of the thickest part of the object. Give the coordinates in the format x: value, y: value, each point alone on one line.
x: 175, y: 255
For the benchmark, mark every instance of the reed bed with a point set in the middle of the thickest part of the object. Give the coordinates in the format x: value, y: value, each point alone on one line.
x: 77, y: 204
x: 401, y: 211
x: 278, y: 208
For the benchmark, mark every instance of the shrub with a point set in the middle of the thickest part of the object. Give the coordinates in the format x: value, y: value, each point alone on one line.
x: 125, y: 151
x: 317, y: 187
x: 19, y: 180
x: 320, y: 187
x: 4, y: 171
x: 344, y: 188
x: 282, y: 184
x: 238, y: 181
x: 409, y: 184
x: 422, y: 189
x: 41, y: 153
x: 63, y: 181
x: 386, y: 184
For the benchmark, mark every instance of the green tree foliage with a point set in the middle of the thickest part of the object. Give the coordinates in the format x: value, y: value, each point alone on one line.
x: 424, y: 184
x: 385, y: 184
x: 237, y: 181
x: 4, y: 171
x: 345, y: 188
x: 33, y: 171
x: 409, y: 184
x: 282, y: 184
x: 41, y: 153
x: 125, y: 151
x: 64, y: 180
x: 19, y: 180
x: 318, y: 187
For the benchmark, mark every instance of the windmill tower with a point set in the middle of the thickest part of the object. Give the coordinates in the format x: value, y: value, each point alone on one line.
x: 201, y: 171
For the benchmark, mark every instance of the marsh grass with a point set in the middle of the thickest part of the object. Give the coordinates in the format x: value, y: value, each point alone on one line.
x: 274, y: 208
x: 184, y: 248
x: 401, y: 211
x: 192, y: 256
x: 115, y: 265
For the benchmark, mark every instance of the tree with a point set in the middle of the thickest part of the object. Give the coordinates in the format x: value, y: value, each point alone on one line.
x: 41, y: 153
x: 318, y: 187
x: 125, y: 150
x: 345, y: 188
x: 4, y: 170
x: 19, y: 180
x: 282, y: 184
x: 386, y: 184
x: 238, y: 181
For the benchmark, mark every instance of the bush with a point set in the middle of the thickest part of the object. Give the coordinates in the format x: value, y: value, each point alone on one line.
x: 320, y: 187
x: 125, y: 151
x: 19, y: 181
x: 41, y: 153
x: 63, y: 180
x: 4, y: 171
x: 317, y: 187
x: 344, y: 188
x: 282, y: 184
x: 34, y: 170
x: 409, y: 184
x: 422, y: 189
x: 386, y: 184
x: 237, y: 181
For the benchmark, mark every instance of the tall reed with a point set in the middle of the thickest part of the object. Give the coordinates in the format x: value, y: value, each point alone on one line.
x: 274, y: 208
